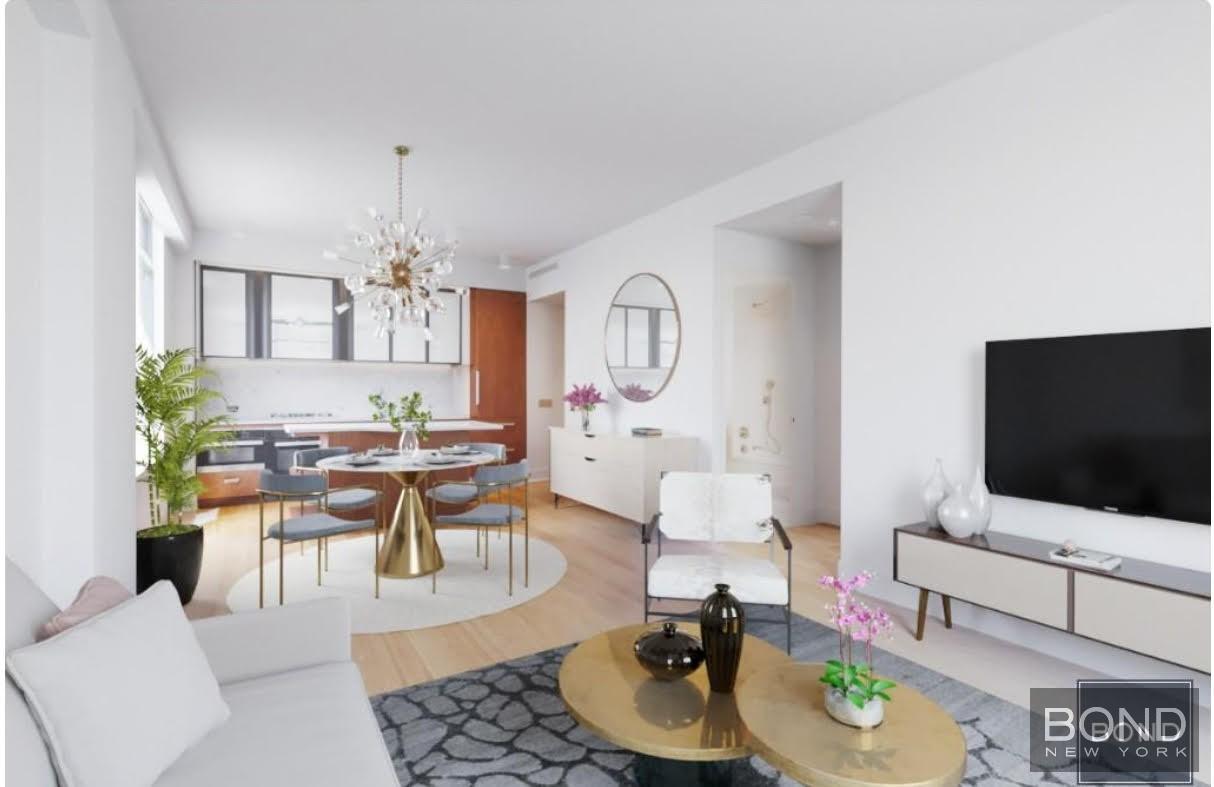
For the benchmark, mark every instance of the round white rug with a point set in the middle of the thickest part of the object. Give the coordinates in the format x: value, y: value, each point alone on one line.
x: 465, y: 589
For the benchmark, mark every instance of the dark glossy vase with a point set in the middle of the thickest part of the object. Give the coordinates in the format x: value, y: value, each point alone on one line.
x: 668, y: 654
x: 722, y: 624
x: 175, y: 558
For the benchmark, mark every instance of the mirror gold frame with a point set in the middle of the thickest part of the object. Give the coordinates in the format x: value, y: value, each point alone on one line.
x: 678, y: 350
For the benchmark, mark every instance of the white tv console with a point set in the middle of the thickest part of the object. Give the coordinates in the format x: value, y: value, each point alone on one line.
x: 1149, y: 608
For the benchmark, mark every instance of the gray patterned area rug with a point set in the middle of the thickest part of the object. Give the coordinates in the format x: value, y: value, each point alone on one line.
x: 506, y: 725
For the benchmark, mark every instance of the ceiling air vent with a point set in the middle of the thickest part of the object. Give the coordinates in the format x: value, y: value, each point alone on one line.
x: 542, y: 270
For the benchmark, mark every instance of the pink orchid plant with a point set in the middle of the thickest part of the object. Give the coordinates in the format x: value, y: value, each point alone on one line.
x: 855, y: 622
x: 584, y: 397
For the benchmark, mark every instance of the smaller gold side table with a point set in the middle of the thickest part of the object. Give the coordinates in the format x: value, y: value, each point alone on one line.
x: 918, y: 745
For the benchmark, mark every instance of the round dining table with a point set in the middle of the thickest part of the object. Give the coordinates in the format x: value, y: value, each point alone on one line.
x: 410, y: 548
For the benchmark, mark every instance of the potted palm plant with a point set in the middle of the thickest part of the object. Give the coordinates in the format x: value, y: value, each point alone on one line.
x: 168, y: 404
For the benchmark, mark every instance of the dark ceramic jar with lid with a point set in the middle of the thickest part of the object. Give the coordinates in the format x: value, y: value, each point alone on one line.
x: 669, y: 654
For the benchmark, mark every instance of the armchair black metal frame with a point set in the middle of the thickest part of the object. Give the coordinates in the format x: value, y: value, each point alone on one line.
x: 647, y: 534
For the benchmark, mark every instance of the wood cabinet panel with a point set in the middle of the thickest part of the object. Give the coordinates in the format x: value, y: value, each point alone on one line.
x: 230, y: 486
x: 498, y: 341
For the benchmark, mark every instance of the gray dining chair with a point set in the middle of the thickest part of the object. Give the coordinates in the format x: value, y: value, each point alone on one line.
x: 458, y: 494
x: 498, y: 515
x: 350, y: 498
x: 304, y: 527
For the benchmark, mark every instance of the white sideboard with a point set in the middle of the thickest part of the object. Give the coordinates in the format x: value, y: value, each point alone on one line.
x: 615, y: 472
x: 1149, y: 608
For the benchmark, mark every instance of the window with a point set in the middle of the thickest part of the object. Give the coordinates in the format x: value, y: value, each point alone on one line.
x: 149, y: 280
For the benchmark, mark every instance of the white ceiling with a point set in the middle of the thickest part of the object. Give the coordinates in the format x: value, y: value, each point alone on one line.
x: 536, y: 125
x: 814, y: 218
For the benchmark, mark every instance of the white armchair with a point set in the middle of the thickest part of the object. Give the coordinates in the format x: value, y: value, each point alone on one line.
x: 717, y: 509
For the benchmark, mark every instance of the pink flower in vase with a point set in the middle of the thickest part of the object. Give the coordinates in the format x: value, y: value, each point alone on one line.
x: 584, y: 397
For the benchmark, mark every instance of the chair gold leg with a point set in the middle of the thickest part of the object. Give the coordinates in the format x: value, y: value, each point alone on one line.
x: 319, y: 558
x: 510, y: 571
x: 281, y: 547
x: 261, y: 553
x: 326, y: 544
x: 526, y: 539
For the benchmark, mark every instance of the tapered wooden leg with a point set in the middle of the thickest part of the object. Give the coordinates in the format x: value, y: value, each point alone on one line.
x: 922, y: 613
x: 948, y: 612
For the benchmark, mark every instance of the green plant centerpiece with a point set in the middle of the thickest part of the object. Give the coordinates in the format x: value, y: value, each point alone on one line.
x: 169, y: 397
x: 854, y: 695
x: 408, y: 415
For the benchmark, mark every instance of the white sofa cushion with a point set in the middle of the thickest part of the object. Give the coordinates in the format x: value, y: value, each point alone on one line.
x: 304, y: 727
x: 26, y: 760
x: 122, y: 695
x: 751, y: 580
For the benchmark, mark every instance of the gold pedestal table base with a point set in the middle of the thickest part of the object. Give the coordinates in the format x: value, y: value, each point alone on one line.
x: 409, y: 549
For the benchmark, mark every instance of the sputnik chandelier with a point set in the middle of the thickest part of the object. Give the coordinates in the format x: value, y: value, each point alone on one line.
x: 400, y: 267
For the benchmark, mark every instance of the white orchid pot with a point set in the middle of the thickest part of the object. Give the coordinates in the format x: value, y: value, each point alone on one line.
x: 839, y: 708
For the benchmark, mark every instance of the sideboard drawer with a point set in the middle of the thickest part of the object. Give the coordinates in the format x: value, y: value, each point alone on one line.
x: 1019, y: 587
x: 617, y: 473
x: 1171, y: 626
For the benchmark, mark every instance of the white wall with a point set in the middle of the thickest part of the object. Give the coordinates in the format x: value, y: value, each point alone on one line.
x: 545, y: 379
x: 1063, y: 190
x: 261, y: 387
x: 76, y: 125
x: 826, y: 356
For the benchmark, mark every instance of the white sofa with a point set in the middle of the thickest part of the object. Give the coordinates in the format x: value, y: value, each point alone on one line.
x: 299, y: 712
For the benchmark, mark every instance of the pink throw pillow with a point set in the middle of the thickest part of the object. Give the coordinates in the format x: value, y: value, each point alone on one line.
x: 95, y: 596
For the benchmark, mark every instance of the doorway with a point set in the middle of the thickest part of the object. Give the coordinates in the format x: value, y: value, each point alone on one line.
x: 779, y: 275
x: 545, y: 378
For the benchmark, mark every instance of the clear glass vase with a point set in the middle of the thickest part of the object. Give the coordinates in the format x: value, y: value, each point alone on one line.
x: 409, y: 446
x: 585, y: 420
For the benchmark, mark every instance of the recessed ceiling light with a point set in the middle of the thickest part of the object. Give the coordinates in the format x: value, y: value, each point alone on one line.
x: 503, y: 262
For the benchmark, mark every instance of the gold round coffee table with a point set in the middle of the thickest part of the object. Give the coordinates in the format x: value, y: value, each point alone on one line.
x: 918, y: 744
x: 610, y: 694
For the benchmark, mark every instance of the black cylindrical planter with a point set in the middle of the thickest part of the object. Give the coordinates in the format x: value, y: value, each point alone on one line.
x: 722, y: 624
x: 175, y: 558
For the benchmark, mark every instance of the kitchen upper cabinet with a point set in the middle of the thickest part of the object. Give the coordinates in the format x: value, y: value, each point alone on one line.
x: 224, y: 314
x: 366, y: 345
x: 447, y: 329
x: 409, y: 344
x: 301, y: 317
x: 257, y: 314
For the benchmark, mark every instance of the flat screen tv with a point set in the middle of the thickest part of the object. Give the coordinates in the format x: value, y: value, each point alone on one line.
x: 1118, y: 422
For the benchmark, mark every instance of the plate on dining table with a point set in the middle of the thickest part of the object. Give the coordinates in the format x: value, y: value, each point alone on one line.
x: 382, y: 452
x: 439, y: 459
x: 362, y: 461
x: 456, y: 450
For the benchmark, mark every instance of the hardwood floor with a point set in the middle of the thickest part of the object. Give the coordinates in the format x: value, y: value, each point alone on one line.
x: 601, y: 589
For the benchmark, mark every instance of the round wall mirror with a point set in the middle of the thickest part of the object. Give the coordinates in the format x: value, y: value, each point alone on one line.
x: 642, y: 337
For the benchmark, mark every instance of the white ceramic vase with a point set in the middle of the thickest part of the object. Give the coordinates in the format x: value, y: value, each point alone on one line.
x: 933, y: 494
x: 981, y: 499
x: 841, y: 710
x: 958, y: 514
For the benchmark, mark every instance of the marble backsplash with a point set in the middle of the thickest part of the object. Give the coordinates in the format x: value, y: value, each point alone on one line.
x: 263, y: 390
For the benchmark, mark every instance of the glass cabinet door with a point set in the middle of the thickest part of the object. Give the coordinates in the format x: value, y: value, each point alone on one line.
x: 301, y: 317
x: 366, y: 345
x: 446, y: 328
x: 409, y: 344
x: 224, y: 316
